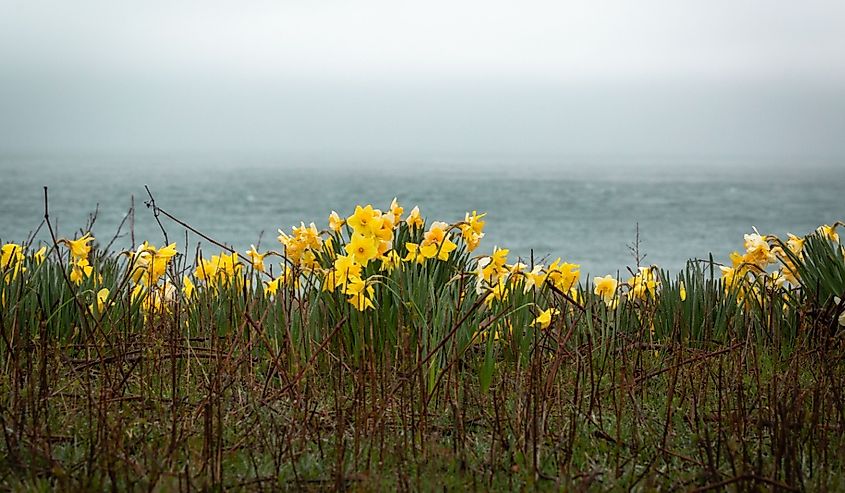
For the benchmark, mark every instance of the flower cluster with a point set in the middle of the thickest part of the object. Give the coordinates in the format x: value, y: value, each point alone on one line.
x: 362, y: 258
x: 760, y: 253
x: 81, y: 268
x: 12, y: 260
x: 148, y: 267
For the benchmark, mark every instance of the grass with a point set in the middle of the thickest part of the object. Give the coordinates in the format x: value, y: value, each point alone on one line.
x: 441, y: 384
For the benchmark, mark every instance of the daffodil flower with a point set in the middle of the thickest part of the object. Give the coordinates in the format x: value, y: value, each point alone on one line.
x: 414, y: 220
x: 39, y: 255
x: 544, y: 319
x: 100, y: 302
x: 605, y: 287
x: 256, y: 258
x: 795, y: 244
x: 365, y: 220
x: 534, y: 279
x: 188, y: 288
x: 396, y: 210
x: 362, y: 248
x: 498, y: 292
x: 829, y: 232
x: 11, y: 260
x: 563, y: 275
x: 757, y: 251
x: 390, y: 261
x: 360, y: 294
x: 80, y: 271
x: 335, y: 222
x: 79, y: 249
x: 643, y: 284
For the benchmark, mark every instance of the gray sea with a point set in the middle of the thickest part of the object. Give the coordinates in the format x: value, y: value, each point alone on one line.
x: 586, y: 210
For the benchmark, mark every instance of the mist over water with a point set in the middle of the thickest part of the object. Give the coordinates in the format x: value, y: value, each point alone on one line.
x: 585, y: 210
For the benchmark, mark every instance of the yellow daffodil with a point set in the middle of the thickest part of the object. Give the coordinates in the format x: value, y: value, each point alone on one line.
x: 563, y: 275
x: 11, y: 259
x: 396, y: 211
x: 437, y: 237
x: 140, y: 260
x: 390, y: 261
x: 757, y: 251
x: 161, y: 259
x: 365, y: 220
x: 224, y: 268
x: 335, y: 222
x: 207, y: 269
x: 575, y: 295
x: 148, y: 263
x: 472, y: 230
x: 497, y: 292
x: 188, y: 288
x: 414, y: 254
x: 605, y: 287
x: 308, y: 235
x: 643, y: 284
x: 344, y: 268
x: 428, y: 251
x: 436, y: 233
x: 79, y: 249
x: 534, y: 278
x: 732, y: 277
x: 347, y: 267
x: 139, y: 292
x: 256, y: 258
x: 414, y: 220
x: 362, y: 248
x: 829, y: 232
x: 40, y: 255
x: 360, y: 294
x: 230, y: 264
x: 301, y: 244
x: 271, y: 287
x: 308, y: 261
x: 475, y: 222
x: 795, y: 244
x: 544, y: 319
x: 100, y: 303
x: 683, y: 291
x: 80, y: 271
x: 444, y: 249
x: 288, y: 278
x: 499, y: 257
x: 328, y: 246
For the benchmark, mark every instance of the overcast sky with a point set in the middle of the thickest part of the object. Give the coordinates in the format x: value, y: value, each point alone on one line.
x: 557, y: 77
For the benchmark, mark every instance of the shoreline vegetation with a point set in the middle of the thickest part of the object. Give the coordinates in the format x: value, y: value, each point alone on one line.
x: 391, y: 352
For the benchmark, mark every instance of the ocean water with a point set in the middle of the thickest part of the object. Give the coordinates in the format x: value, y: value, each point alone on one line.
x: 585, y: 210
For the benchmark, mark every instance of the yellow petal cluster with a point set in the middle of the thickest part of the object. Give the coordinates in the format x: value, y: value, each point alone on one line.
x: 644, y: 284
x: 605, y: 287
x: 79, y: 248
x: 222, y: 270
x: 302, y: 245
x: 544, y: 319
x: 149, y: 263
x: 11, y: 261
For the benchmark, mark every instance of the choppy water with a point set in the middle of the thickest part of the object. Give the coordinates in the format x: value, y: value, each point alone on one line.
x: 584, y: 210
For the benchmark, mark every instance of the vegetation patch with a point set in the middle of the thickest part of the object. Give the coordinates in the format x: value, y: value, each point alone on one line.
x: 388, y: 352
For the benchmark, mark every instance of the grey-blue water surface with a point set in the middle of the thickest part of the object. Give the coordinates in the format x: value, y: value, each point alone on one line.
x: 584, y: 210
